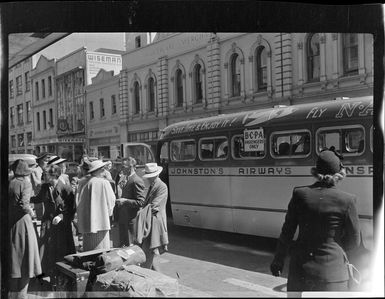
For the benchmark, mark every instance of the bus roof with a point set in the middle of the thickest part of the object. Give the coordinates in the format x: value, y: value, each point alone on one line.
x: 334, y: 109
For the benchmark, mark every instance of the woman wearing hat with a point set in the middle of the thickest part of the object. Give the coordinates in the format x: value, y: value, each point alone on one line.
x: 96, y: 203
x: 328, y: 225
x: 24, y: 253
x: 154, y: 241
x: 56, y: 238
x: 38, y: 172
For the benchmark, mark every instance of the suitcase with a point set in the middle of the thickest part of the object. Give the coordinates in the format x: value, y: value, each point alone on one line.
x: 71, y: 280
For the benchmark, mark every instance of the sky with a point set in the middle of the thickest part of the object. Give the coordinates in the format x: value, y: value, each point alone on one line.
x: 75, y: 41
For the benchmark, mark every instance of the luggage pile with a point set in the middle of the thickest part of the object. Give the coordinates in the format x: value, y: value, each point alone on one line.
x: 110, y: 273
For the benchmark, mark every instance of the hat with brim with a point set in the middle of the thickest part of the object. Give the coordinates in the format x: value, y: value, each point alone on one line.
x: 53, y: 159
x: 328, y: 163
x: 58, y: 161
x: 85, y: 165
x: 42, y: 156
x: 95, y: 165
x: 152, y: 170
x: 21, y: 168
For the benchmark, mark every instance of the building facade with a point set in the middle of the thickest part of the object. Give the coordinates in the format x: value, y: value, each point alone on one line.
x: 184, y: 76
x: 20, y: 108
x: 44, y: 106
x: 73, y: 73
x: 102, y: 106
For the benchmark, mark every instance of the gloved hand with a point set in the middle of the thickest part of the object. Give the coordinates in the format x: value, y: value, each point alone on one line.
x: 56, y: 220
x: 276, y: 268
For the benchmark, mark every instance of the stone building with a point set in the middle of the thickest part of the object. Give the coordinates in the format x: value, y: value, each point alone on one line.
x: 102, y: 102
x: 20, y: 108
x: 44, y: 106
x: 182, y: 76
x: 73, y: 73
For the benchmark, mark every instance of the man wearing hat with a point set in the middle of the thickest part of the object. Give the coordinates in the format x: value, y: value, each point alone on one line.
x: 64, y: 178
x: 154, y: 242
x: 96, y: 203
x: 37, y: 175
x: 328, y: 226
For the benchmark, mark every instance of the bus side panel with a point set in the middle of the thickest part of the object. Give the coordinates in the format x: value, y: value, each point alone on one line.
x: 200, y: 201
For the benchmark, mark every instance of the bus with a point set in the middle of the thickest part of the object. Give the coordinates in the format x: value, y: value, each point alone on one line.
x: 236, y: 172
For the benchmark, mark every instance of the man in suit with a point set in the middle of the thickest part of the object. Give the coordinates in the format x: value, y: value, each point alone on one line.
x: 132, y: 197
x: 154, y: 241
x: 328, y: 226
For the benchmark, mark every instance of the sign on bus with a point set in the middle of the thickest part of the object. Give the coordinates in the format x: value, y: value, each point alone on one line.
x: 254, y: 140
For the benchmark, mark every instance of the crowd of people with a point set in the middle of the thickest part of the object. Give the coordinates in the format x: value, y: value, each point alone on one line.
x: 326, y: 217
x: 88, y: 204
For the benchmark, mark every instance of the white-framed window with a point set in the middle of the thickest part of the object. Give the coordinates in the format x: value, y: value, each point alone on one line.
x: 179, y: 88
x: 197, y: 82
x: 239, y: 152
x: 151, y: 94
x: 347, y: 140
x: 43, y: 88
x: 350, y: 53
x: 44, y: 120
x: 49, y: 86
x: 235, y: 75
x: 37, y: 90
x: 92, y: 114
x: 20, y: 119
x: 113, y: 104
x: 27, y: 79
x: 290, y: 144
x: 38, y: 120
x: 102, y: 110
x: 12, y: 116
x: 11, y: 91
x: 28, y: 108
x: 213, y: 148
x: 261, y: 68
x: 136, y: 98
x: 183, y: 150
x: 19, y: 85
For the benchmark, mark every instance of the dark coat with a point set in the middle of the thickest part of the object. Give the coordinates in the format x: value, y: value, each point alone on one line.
x: 328, y: 224
x: 134, y: 190
x: 56, y: 241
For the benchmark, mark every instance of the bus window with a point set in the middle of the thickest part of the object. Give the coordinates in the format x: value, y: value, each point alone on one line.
x: 346, y: 140
x: 142, y: 154
x: 183, y: 150
x: 290, y: 144
x: 239, y: 149
x: 215, y: 148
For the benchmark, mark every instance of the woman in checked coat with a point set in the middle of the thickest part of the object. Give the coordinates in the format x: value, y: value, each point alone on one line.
x: 24, y: 253
x: 328, y: 226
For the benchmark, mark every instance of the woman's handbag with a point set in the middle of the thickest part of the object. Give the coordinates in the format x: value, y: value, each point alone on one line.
x: 354, y: 274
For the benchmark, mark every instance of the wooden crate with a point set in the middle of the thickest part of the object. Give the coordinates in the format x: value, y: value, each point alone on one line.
x: 71, y: 280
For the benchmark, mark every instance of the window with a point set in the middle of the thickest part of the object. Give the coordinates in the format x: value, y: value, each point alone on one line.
x: 151, y: 95
x: 102, y: 111
x: 43, y: 88
x: 215, y: 148
x: 20, y: 114
x: 38, y: 120
x: 235, y: 69
x: 136, y: 98
x: 290, y: 144
x: 179, y: 88
x: 137, y: 42
x: 92, y: 115
x: 164, y: 157
x: 261, y: 65
x: 27, y: 81
x: 29, y: 138
x: 183, y: 150
x: 28, y: 107
x: 44, y: 120
x: 346, y: 140
x: 19, y: 85
x: 12, y: 116
x: 50, y: 123
x: 11, y: 94
x: 49, y: 86
x: 13, y: 140
x: 20, y: 138
x: 313, y: 57
x: 37, y: 90
x: 198, y: 84
x: 350, y: 53
x: 238, y: 149
x: 113, y: 104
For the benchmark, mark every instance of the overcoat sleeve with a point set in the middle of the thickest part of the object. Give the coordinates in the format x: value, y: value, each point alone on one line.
x: 160, y: 197
x: 351, y: 238
x: 139, y: 194
x: 24, y: 199
x: 288, y: 230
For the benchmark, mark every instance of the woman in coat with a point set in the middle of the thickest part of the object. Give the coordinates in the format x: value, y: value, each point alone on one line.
x: 328, y: 225
x: 24, y: 253
x: 154, y: 240
x: 56, y: 239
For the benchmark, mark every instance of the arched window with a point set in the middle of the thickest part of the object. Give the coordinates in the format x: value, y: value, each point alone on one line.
x: 136, y: 98
x: 179, y: 88
x: 261, y: 67
x: 198, y: 84
x: 235, y: 69
x: 313, y: 57
x: 151, y: 94
x: 350, y: 53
